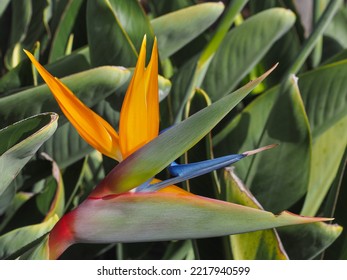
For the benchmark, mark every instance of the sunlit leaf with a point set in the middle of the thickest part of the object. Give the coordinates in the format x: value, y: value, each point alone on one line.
x: 239, y: 53
x: 259, y: 245
x: 22, y: 239
x: 277, y: 178
x: 20, y: 141
x: 176, y: 29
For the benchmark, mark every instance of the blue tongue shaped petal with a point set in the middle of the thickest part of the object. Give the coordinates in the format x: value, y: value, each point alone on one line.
x: 188, y: 171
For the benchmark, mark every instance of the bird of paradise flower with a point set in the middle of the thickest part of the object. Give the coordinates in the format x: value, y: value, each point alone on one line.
x: 129, y: 204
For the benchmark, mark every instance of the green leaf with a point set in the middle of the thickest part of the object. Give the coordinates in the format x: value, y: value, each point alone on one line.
x: 179, y: 250
x: 230, y: 16
x: 327, y: 153
x: 283, y: 51
x: 280, y: 177
x: 176, y: 29
x: 53, y: 203
x: 159, y: 7
x: 39, y: 252
x: 22, y: 239
x: 336, y: 58
x: 325, y: 96
x: 18, y: 76
x: 126, y: 25
x: 3, y: 6
x: 324, y: 93
x: 19, y: 199
x: 193, y: 73
x: 182, y: 84
x: 73, y: 63
x: 305, y: 242
x: 66, y: 146
x: 259, y: 245
x: 240, y: 52
x: 21, y: 16
x: 337, y: 27
x: 64, y: 29
x: 20, y: 141
x: 153, y: 157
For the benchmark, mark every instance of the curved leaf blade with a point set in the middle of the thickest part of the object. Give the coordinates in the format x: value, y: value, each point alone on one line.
x: 305, y: 242
x: 17, y: 240
x: 324, y: 93
x: 64, y: 28
x: 259, y: 245
x: 277, y: 178
x: 174, y: 30
x: 126, y: 25
x: 238, y: 53
x: 20, y: 141
x: 327, y: 154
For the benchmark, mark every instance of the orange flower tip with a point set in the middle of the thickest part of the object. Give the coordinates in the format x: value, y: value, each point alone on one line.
x: 29, y: 54
x: 252, y: 152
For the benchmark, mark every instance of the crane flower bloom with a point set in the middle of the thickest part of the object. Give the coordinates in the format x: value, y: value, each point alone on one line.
x: 130, y: 204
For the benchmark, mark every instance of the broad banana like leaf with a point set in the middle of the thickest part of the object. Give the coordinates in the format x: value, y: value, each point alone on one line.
x: 276, y: 186
x: 176, y: 29
x: 116, y: 44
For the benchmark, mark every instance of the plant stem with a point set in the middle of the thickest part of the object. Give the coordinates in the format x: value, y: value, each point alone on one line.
x: 207, y: 54
x: 311, y: 41
x: 234, y: 8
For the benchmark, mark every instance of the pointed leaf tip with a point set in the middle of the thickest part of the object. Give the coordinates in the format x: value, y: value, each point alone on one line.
x: 253, y: 152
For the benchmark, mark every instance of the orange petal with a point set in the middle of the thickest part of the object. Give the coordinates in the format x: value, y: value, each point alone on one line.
x: 171, y: 189
x: 92, y: 128
x: 139, y: 117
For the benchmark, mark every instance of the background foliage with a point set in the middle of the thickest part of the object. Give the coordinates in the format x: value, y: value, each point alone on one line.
x: 206, y: 51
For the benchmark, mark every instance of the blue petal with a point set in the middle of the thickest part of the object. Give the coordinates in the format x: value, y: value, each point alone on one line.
x: 188, y: 171
x: 143, y: 186
x: 184, y: 169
